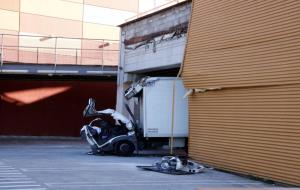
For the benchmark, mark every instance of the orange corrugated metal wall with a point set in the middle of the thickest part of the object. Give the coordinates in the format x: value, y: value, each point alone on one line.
x: 250, y: 49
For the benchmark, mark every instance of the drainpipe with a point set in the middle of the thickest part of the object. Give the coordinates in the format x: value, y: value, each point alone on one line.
x: 172, y: 118
x: 55, y: 58
x: 1, y: 51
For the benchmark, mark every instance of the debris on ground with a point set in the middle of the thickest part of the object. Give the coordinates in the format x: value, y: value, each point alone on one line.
x: 175, y: 165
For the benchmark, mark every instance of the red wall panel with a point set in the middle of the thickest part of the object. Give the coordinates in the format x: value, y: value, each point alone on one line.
x: 50, y: 108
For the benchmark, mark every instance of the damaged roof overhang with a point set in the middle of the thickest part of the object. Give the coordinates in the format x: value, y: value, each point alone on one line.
x: 177, y: 30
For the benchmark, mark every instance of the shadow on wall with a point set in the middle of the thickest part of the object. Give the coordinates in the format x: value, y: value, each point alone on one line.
x: 50, y: 108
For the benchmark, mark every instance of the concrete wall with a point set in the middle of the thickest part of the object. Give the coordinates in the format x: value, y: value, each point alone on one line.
x: 167, y: 55
x: 160, y: 51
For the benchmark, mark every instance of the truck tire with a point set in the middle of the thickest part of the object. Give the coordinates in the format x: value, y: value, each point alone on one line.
x: 124, y: 148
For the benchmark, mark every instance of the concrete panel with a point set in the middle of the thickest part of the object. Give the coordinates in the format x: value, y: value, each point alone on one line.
x: 10, y: 39
x: 145, y: 5
x: 105, y: 16
x: 166, y: 55
x: 93, y: 52
x: 92, y: 44
x: 12, y: 5
x: 75, y: 1
x: 4, y: 31
x: 50, y: 26
x: 9, y: 20
x: 50, y: 43
x: 53, y: 8
x: 35, y: 50
x: 128, y: 5
x: 100, y: 31
x: 10, y: 44
x: 111, y: 58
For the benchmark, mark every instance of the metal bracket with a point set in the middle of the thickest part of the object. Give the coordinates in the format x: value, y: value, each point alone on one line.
x: 199, y: 90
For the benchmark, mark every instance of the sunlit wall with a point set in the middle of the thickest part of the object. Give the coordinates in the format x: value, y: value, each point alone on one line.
x: 70, y: 18
x: 90, y: 19
x: 67, y: 18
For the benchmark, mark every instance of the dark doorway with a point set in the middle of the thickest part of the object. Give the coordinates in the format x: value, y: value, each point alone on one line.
x: 33, y: 106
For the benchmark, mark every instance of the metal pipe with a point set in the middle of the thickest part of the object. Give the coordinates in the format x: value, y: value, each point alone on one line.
x: 102, y: 55
x: 76, y: 57
x: 26, y: 35
x: 41, y: 47
x: 55, y: 58
x: 37, y: 55
x: 172, y: 118
x: 2, y: 38
x: 81, y: 55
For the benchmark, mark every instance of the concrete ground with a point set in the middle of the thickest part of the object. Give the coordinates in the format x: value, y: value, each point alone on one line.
x: 59, y: 164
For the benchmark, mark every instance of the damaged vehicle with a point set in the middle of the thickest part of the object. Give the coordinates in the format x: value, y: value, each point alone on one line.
x: 102, y: 136
x: 175, y: 165
x: 151, y: 124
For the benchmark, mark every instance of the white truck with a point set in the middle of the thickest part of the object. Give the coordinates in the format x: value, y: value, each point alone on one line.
x: 160, y: 119
x: 162, y: 115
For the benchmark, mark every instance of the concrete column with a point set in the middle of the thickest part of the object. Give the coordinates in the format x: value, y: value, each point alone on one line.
x: 120, y: 79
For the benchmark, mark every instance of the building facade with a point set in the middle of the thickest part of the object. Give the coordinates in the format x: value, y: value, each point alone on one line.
x: 84, y: 28
x: 55, y: 54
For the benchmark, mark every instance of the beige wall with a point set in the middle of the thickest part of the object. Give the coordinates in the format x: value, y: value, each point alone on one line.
x: 65, y: 17
x: 50, y: 26
x: 105, y: 16
x: 53, y: 8
x: 49, y: 44
x: 10, y: 40
x: 75, y: 1
x: 100, y: 31
x: 12, y: 5
x: 128, y: 5
x: 9, y: 20
x: 96, y: 19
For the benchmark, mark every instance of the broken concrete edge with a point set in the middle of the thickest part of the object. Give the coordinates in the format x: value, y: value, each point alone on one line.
x: 178, y: 29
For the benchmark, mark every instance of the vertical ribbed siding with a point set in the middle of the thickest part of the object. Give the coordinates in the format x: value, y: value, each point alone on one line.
x: 252, y: 130
x: 251, y: 49
x: 243, y: 43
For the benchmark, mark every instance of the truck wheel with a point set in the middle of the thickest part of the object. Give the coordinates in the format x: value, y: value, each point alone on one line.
x: 125, y: 148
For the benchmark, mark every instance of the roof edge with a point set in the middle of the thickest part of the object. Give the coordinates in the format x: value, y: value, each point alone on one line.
x: 154, y: 13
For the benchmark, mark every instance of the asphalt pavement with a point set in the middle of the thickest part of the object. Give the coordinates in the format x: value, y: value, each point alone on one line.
x: 64, y: 165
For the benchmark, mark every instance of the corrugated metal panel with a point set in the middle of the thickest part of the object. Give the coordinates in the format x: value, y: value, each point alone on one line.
x: 243, y: 43
x: 252, y: 130
x: 251, y: 50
